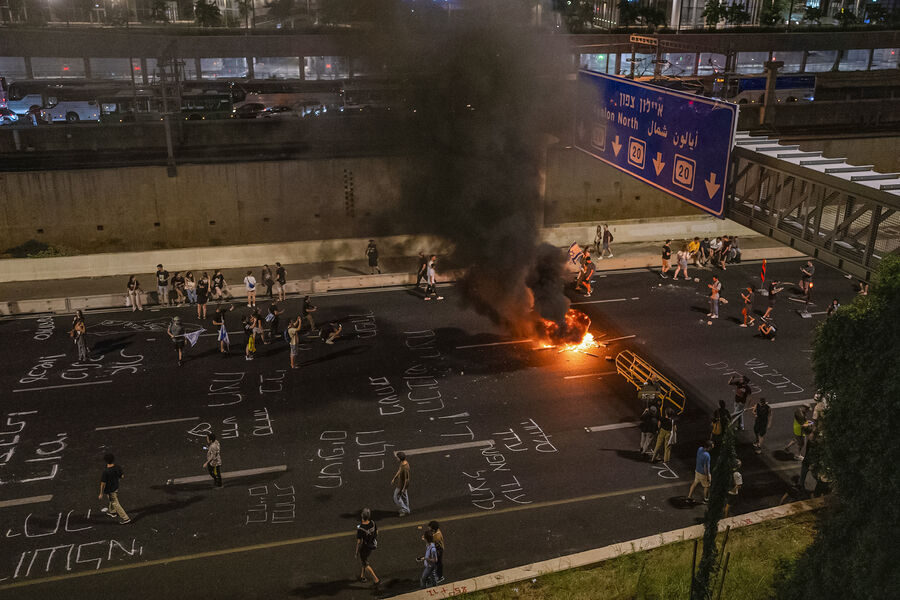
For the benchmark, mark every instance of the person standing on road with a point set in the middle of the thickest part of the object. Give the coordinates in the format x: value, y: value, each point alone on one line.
x: 649, y: 426
x: 431, y: 272
x: 742, y: 393
x: 806, y: 275
x: 202, y: 295
x: 401, y: 485
x: 190, y: 287
x: 109, y: 485
x: 747, y: 311
x: 78, y: 333
x: 294, y: 341
x: 273, y: 323
x: 250, y: 283
x: 306, y: 311
x: 724, y: 251
x: 421, y: 269
x: 666, y: 255
x: 681, y: 257
x: 218, y: 285
x: 694, y: 251
x: 587, y: 273
x: 162, y: 285
x: 176, y: 332
x: 702, y: 472
x: 763, y: 414
x: 714, y: 289
x: 213, y: 462
x: 249, y: 323
x: 705, y: 252
x: 438, y: 535
x: 737, y: 481
x: 799, y: 434
x: 366, y: 542
x: 429, y: 560
x: 219, y: 321
x: 280, y: 281
x: 372, y: 255
x: 666, y: 431
x: 133, y: 287
x: 267, y: 279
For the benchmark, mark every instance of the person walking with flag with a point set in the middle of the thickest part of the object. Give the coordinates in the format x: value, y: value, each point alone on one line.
x: 219, y: 321
x: 176, y: 332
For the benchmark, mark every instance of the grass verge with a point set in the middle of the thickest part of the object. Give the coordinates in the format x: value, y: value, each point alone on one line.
x: 755, y: 550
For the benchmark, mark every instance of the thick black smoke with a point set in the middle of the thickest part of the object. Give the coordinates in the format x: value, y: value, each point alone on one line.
x: 479, y: 86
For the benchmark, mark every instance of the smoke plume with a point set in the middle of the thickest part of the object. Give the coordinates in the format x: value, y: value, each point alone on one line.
x: 479, y: 83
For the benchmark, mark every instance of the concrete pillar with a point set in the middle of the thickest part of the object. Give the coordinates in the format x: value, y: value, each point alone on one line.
x: 198, y: 67
x: 29, y: 72
x: 250, y: 72
x: 767, y: 112
x: 803, y: 61
x: 302, y: 60
x: 87, y: 67
x: 145, y: 77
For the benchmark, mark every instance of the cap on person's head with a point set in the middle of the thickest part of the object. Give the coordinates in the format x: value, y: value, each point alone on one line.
x: 401, y: 456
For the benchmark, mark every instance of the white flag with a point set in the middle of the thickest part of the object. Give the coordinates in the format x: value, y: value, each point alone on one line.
x: 193, y: 336
x: 575, y: 253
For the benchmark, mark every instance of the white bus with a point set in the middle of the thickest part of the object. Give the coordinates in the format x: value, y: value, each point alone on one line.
x: 25, y: 96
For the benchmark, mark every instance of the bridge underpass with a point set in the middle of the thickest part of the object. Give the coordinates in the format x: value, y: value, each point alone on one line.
x: 842, y: 214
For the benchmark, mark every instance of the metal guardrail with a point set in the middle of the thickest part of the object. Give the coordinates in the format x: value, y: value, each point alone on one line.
x: 845, y: 215
x: 638, y: 372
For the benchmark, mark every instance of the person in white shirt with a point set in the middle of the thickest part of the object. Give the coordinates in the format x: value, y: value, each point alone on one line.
x: 737, y: 480
x: 250, y: 282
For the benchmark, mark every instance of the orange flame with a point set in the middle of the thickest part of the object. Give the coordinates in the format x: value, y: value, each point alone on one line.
x: 571, y: 335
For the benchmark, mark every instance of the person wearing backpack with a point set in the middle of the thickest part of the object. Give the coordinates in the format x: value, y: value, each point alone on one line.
x: 366, y: 541
x: 605, y: 240
x: 649, y: 427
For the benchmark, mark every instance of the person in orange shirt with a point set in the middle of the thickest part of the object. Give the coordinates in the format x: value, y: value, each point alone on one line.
x: 587, y: 272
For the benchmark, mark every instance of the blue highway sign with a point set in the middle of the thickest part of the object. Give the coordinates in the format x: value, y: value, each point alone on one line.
x: 675, y: 141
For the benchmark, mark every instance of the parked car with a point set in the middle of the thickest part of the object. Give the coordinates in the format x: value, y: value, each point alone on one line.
x: 278, y: 112
x: 249, y: 110
x: 7, y: 117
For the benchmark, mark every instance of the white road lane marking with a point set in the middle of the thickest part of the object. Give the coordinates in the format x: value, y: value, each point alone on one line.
x: 600, y: 301
x: 591, y: 375
x: 145, y: 423
x: 612, y: 426
x: 66, y: 385
x: 790, y: 403
x: 460, y: 446
x: 624, y: 337
x: 22, y: 501
x: 227, y: 475
x: 492, y: 344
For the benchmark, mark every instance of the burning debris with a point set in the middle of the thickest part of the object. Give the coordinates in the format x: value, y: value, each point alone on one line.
x: 572, y: 334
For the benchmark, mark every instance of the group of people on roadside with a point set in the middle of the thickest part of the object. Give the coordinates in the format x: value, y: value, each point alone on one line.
x: 700, y: 253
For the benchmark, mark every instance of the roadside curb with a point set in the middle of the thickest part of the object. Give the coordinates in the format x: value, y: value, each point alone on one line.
x: 598, y: 555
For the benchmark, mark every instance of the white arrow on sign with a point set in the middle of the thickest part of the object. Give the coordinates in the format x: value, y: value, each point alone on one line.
x: 711, y: 186
x: 616, y: 146
x: 658, y: 164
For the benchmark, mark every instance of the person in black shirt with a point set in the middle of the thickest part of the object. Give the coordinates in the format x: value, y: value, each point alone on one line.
x: 421, y: 269
x: 306, y: 310
x: 219, y: 321
x: 705, y: 251
x: 372, y: 255
x: 280, y: 281
x: 724, y: 251
x: 666, y: 255
x: 366, y: 541
x: 774, y: 290
x: 747, y: 311
x: 806, y: 275
x: 763, y: 413
x: 218, y: 284
x: 178, y: 284
x: 162, y: 285
x: 742, y: 393
x: 267, y: 279
x: 109, y: 485
x: 202, y: 295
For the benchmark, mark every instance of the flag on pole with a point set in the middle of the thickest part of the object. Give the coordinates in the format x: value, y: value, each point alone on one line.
x: 762, y: 275
x: 223, y: 335
x: 193, y: 336
x: 575, y: 254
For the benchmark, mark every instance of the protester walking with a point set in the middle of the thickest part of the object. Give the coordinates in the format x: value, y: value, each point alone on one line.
x: 176, y: 332
x: 213, y: 462
x: 273, y: 323
x: 681, y: 257
x: 763, y: 420
x: 421, y: 268
x: 773, y: 291
x: 438, y: 536
x: 702, y: 471
x: 429, y: 560
x: 178, y: 284
x: 806, y: 275
x: 250, y: 284
x: 400, y: 482
x: 587, y: 273
x: 431, y: 271
x: 742, y: 393
x: 737, y: 481
x: 366, y: 542
x: 666, y: 255
x: 294, y: 341
x: 665, y: 438
x: 219, y: 321
x: 190, y: 287
x: 249, y: 323
x: 724, y: 251
x: 747, y: 311
x: 280, y: 281
x: 306, y: 310
x: 202, y: 295
x: 78, y: 333
x: 109, y: 485
x: 372, y: 255
x: 714, y: 290
x: 649, y: 426
x: 133, y: 288
x: 606, y: 242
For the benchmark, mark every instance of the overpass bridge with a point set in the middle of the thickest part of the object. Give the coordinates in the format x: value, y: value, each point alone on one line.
x: 845, y: 215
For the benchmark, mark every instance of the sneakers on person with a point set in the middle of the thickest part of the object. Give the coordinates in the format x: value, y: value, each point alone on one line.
x: 743, y: 325
x: 329, y: 342
x: 799, y: 457
x: 110, y: 514
x: 402, y: 514
x: 439, y: 580
x: 610, y: 255
x: 125, y: 521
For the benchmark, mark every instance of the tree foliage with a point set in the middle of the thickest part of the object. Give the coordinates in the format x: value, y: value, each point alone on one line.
x: 281, y: 10
x: 737, y: 14
x: 653, y: 16
x: 159, y: 12
x: 578, y: 15
x: 772, y: 13
x: 207, y: 14
x: 856, y: 361
x: 813, y: 14
x: 713, y: 12
x: 845, y: 17
x: 628, y: 13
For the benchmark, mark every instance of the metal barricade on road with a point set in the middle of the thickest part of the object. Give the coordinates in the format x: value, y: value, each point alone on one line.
x: 638, y: 372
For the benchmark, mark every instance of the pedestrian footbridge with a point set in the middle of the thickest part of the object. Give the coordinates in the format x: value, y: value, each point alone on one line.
x: 844, y: 215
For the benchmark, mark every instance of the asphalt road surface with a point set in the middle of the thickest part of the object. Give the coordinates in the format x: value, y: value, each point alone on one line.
x: 497, y: 429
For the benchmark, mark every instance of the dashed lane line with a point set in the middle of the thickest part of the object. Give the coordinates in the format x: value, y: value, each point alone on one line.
x: 227, y: 475
x: 612, y: 426
x: 601, y: 301
x: 492, y: 344
x: 146, y: 423
x: 66, y: 385
x: 432, y: 449
x: 591, y: 375
x: 23, y: 501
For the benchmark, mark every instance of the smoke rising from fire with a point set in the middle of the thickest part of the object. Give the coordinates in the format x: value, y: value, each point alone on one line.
x: 480, y: 86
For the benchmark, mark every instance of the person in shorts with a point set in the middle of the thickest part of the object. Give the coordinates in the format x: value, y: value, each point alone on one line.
x: 737, y: 480
x: 666, y: 256
x: 702, y: 471
x: 763, y: 413
x: 294, y: 341
x: 366, y: 542
x: 280, y: 281
x: 176, y: 332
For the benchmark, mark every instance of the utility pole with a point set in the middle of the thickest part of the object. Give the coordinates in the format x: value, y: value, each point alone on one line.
x: 767, y: 112
x: 169, y: 60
